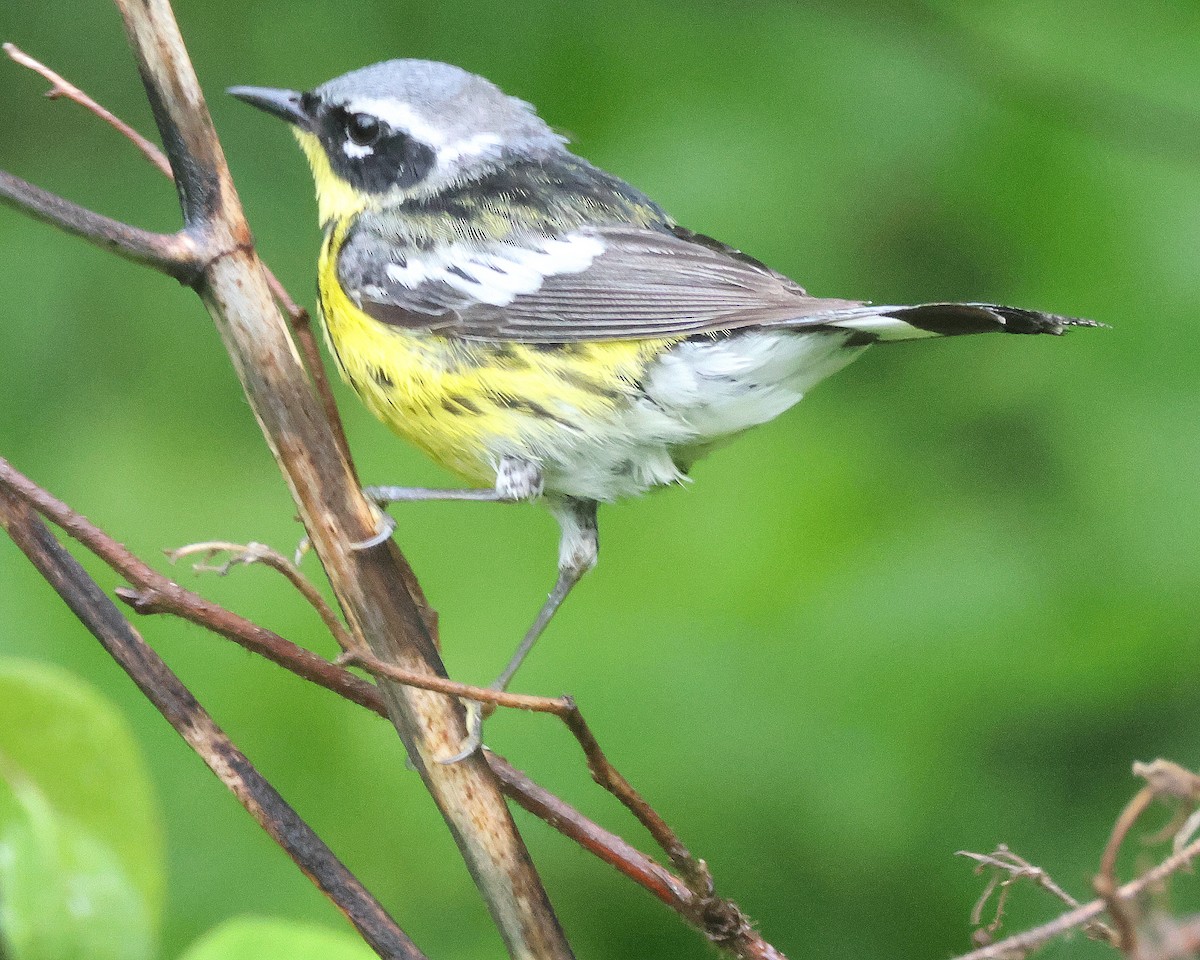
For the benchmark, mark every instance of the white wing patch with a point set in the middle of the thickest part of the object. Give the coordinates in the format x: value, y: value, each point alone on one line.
x: 500, y: 273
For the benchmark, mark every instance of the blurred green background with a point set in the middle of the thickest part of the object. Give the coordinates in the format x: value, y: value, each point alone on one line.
x: 943, y: 603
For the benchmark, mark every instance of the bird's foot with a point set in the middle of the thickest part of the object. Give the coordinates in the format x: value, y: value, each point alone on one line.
x: 517, y: 479
x: 474, y: 738
x: 386, y: 526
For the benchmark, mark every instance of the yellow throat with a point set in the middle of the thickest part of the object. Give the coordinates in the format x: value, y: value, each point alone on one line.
x: 336, y: 199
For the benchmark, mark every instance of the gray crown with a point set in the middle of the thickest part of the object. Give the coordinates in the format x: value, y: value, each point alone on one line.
x: 458, y: 103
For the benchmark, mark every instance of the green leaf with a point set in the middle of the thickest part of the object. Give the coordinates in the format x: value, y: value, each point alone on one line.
x: 63, y: 893
x: 253, y: 938
x: 81, y: 849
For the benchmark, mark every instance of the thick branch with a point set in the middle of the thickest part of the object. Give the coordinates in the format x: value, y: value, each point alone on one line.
x: 173, y: 700
x: 173, y: 254
x: 382, y: 603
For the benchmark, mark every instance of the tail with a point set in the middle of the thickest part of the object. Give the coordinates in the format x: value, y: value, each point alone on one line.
x: 876, y: 324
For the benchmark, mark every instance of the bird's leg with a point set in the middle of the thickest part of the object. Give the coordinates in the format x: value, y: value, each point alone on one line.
x: 577, y: 552
x: 517, y: 479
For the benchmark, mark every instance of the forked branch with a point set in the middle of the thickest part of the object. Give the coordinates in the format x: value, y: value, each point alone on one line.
x: 301, y: 323
x: 152, y: 593
x: 1163, y: 780
x: 257, y: 553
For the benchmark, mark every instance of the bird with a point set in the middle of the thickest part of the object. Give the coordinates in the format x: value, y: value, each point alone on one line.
x: 537, y: 325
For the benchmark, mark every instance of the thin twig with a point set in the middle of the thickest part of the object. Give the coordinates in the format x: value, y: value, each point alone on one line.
x: 694, y: 871
x: 1184, y: 834
x: 977, y: 910
x: 176, y: 703
x: 1021, y: 943
x: 501, y: 698
x: 301, y: 324
x: 1105, y: 882
x: 1004, y: 861
x: 251, y: 553
x: 60, y: 87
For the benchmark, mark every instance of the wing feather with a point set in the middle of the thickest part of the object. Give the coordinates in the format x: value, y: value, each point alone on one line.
x: 594, y: 283
x: 621, y: 282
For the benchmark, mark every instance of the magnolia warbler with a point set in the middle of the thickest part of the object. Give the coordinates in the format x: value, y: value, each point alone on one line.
x: 537, y: 325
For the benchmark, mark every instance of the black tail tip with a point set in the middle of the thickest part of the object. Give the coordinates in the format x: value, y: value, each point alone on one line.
x: 953, y: 319
x: 1019, y: 320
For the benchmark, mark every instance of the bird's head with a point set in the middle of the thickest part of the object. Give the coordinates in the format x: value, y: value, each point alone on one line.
x: 401, y: 129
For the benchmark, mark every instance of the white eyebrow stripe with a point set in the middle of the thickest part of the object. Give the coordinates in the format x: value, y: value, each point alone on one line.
x: 399, y: 116
x: 473, y: 146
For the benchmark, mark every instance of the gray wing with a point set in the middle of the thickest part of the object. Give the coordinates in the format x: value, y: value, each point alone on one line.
x: 622, y: 282
x: 595, y: 283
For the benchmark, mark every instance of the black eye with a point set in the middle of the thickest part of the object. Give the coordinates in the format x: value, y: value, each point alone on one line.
x: 363, y: 129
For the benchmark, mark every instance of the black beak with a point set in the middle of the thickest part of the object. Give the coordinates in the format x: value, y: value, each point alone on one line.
x: 286, y: 104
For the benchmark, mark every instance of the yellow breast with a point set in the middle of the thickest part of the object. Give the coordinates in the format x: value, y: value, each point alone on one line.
x: 466, y: 403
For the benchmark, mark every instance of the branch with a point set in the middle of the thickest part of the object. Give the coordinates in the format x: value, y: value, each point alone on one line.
x: 719, y: 920
x: 1105, y: 882
x: 380, y: 597
x: 258, y: 553
x: 1004, y: 861
x: 156, y: 593
x: 1022, y: 943
x: 378, y: 593
x: 695, y: 872
x: 174, y: 254
x: 59, y: 87
x: 301, y: 325
x: 173, y: 700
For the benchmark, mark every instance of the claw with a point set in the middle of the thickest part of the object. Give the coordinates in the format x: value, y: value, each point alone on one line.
x: 474, y: 738
x: 387, y: 526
